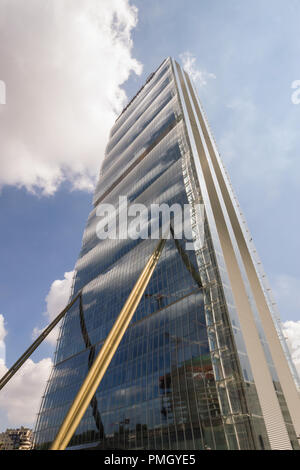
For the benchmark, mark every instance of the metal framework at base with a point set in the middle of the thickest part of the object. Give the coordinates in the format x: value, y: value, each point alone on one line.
x: 102, y: 361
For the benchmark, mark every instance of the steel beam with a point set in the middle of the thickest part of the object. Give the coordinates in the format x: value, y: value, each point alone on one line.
x: 102, y: 361
x: 11, y: 372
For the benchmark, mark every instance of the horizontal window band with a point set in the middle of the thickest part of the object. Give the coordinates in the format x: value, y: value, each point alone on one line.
x: 138, y: 160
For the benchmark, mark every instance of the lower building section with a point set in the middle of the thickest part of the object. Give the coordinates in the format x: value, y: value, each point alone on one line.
x: 16, y: 439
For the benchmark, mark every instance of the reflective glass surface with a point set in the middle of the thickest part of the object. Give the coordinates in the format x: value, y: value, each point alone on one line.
x: 181, y: 377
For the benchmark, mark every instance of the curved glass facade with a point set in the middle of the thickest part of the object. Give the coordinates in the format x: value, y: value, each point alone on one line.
x: 181, y: 377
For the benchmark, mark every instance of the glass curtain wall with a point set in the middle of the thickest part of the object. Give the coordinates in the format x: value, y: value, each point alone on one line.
x: 180, y: 378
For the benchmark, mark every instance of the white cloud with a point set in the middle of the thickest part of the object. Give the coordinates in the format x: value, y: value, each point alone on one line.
x: 56, y: 300
x: 21, y: 397
x: 199, y: 77
x: 291, y: 331
x: 286, y: 289
x: 63, y: 63
x: 3, y: 333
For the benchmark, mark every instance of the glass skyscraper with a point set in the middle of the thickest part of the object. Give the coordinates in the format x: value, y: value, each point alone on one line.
x: 203, y: 363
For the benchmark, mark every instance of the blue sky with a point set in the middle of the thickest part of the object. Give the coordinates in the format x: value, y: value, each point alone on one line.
x: 64, y: 91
